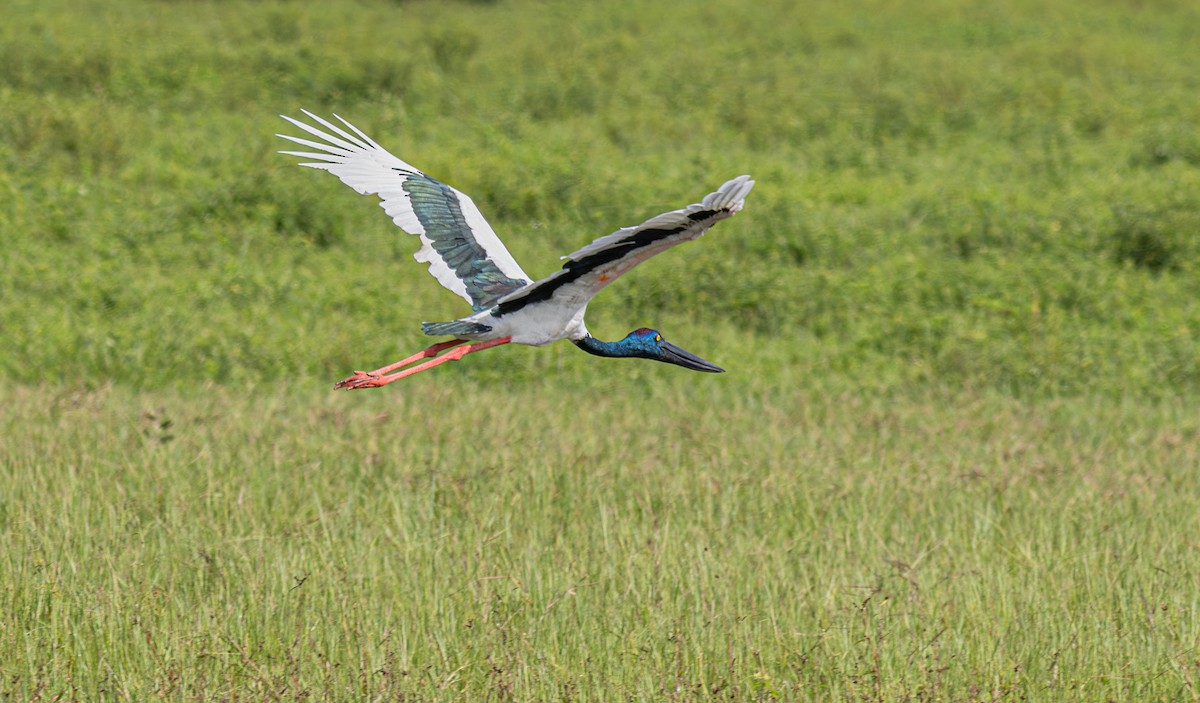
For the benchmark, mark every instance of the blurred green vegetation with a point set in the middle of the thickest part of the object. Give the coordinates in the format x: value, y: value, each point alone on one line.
x: 953, y: 458
x: 949, y: 193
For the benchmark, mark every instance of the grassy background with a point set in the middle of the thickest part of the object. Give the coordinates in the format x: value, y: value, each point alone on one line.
x: 1006, y: 198
x: 952, y: 460
x: 708, y: 543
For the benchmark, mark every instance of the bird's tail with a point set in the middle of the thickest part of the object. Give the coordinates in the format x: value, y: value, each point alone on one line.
x: 457, y: 328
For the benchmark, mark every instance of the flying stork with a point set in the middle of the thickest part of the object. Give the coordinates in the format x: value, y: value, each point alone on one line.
x: 467, y: 257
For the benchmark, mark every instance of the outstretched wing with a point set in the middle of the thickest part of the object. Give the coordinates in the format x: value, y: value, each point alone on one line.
x: 462, y: 251
x: 593, y: 267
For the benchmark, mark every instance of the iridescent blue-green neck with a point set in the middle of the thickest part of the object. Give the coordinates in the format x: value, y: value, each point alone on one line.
x: 646, y: 343
x: 631, y: 346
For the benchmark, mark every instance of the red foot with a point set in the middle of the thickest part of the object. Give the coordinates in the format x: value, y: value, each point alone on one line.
x: 360, y: 379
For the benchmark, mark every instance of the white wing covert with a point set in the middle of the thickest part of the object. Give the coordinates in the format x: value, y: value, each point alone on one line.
x: 463, y: 252
x: 593, y: 267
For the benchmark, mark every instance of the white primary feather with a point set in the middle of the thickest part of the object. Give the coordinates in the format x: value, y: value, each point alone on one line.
x: 370, y: 169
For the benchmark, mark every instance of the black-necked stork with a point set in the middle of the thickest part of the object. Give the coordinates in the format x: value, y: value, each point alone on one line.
x: 467, y: 257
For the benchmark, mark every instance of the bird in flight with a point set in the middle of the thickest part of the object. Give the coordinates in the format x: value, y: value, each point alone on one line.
x: 467, y: 257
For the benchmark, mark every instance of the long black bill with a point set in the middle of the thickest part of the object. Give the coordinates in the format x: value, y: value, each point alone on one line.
x: 674, y: 355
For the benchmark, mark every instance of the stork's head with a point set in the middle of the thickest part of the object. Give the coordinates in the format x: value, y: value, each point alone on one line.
x: 646, y: 343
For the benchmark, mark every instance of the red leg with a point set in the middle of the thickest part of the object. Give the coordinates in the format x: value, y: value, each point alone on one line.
x: 376, y: 379
x: 432, y: 350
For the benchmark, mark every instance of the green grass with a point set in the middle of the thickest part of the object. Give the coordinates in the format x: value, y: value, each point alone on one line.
x: 999, y: 198
x: 716, y: 541
x: 952, y: 460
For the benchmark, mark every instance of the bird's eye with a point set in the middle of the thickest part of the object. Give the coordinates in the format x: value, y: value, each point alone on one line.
x: 658, y: 337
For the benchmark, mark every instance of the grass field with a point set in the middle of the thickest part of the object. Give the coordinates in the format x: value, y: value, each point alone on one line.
x: 710, y: 542
x: 953, y: 459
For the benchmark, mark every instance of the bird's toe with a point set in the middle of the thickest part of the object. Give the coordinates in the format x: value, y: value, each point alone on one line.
x: 359, y: 379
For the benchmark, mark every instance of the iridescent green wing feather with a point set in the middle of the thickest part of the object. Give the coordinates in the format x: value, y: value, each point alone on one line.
x: 462, y: 251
